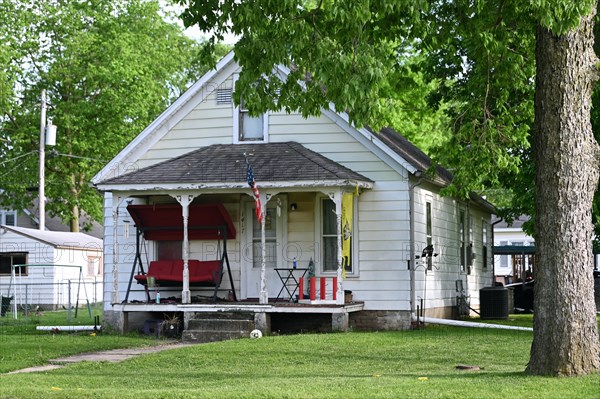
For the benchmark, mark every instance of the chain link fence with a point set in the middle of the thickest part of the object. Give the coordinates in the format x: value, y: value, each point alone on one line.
x: 66, y: 294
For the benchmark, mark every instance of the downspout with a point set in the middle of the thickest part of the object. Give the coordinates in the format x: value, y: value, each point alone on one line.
x: 461, y: 323
x: 411, y: 256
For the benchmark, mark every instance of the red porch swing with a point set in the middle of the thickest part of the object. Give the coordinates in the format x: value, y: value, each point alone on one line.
x: 164, y: 222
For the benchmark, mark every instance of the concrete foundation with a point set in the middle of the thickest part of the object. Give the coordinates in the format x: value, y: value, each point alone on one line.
x: 280, y: 318
x: 377, y: 320
x: 262, y: 321
x: 340, y: 322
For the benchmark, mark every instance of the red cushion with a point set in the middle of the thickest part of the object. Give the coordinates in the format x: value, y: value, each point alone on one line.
x: 172, y: 270
x: 204, y: 271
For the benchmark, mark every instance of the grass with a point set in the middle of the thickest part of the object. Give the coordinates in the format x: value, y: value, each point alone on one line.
x: 21, y: 345
x: 401, y: 364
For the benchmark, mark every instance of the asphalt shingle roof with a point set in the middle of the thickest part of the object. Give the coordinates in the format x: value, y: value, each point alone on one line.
x: 225, y: 163
x: 412, y: 154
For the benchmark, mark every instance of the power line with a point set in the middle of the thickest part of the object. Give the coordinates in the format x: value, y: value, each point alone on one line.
x: 20, y: 156
x: 53, y: 153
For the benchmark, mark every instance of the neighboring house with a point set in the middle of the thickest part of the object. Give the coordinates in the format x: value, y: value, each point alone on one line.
x: 28, y: 218
x: 409, y: 245
x: 511, y: 261
x: 515, y: 262
x: 61, y: 268
x: 514, y: 255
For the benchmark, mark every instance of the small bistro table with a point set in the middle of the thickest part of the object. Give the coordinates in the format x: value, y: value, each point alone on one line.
x: 290, y: 280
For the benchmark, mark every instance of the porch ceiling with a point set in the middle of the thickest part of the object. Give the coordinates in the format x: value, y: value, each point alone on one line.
x: 224, y: 165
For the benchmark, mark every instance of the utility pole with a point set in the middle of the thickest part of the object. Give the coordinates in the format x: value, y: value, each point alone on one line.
x: 47, y: 136
x: 42, y: 182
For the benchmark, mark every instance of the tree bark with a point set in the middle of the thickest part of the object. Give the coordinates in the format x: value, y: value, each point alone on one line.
x: 74, y: 222
x: 567, y: 171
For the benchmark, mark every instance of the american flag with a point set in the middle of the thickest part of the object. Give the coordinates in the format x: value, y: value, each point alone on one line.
x: 254, y: 187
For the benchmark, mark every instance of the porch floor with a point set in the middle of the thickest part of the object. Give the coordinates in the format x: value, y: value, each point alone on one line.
x: 147, y: 310
x: 272, y: 307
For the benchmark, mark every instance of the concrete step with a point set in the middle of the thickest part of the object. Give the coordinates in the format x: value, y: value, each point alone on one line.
x: 224, y: 316
x: 189, y: 336
x: 218, y: 326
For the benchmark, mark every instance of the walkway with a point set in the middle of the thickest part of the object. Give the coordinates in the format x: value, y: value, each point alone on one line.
x: 115, y: 355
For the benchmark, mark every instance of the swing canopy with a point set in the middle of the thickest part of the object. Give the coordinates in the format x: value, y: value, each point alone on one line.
x: 164, y: 222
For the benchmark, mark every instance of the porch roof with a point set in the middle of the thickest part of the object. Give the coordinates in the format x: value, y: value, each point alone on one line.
x: 224, y: 165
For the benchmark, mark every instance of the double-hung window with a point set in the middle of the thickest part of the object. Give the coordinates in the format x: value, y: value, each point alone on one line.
x: 328, y: 234
x: 484, y: 240
x: 247, y: 128
x: 251, y: 128
x: 8, y: 218
x: 429, y: 233
x: 462, y: 233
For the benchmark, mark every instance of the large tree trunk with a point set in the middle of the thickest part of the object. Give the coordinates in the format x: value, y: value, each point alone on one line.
x: 565, y: 329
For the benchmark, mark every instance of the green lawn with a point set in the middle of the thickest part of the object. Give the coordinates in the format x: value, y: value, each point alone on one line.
x: 22, y: 346
x: 408, y: 364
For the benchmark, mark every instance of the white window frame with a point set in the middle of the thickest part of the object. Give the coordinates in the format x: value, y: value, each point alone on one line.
x: 237, y: 110
x: 485, y: 231
x: 429, y: 230
x: 319, y: 253
x: 4, y: 213
x: 504, y: 258
x: 23, y: 270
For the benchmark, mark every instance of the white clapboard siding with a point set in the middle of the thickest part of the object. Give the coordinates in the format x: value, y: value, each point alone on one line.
x: 439, y: 287
x: 383, y: 237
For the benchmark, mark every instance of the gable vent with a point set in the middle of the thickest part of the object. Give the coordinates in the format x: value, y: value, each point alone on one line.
x: 223, y: 96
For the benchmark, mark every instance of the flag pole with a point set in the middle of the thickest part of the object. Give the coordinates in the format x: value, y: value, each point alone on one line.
x: 264, y: 293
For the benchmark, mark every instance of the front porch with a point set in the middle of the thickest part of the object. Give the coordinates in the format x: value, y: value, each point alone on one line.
x: 275, y: 317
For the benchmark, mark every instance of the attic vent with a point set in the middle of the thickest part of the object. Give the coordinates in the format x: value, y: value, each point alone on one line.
x: 223, y: 96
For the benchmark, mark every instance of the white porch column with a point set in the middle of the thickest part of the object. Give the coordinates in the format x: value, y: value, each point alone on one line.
x: 116, y: 201
x: 336, y: 197
x: 264, y: 290
x: 185, y: 201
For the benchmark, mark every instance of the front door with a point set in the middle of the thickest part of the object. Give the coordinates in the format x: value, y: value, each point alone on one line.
x: 252, y: 251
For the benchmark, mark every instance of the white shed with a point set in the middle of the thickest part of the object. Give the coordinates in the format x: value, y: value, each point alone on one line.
x: 59, y: 268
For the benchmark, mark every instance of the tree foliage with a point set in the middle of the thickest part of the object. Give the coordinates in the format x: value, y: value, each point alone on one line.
x: 482, y: 54
x: 109, y: 68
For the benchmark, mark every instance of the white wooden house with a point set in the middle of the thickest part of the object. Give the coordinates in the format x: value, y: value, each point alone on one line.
x: 307, y: 172
x: 514, y: 256
x: 512, y: 267
x: 58, y: 268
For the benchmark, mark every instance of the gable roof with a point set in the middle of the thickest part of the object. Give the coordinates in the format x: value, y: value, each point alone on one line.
x: 161, y: 125
x: 389, y: 145
x: 225, y: 164
x: 198, y: 93
x: 58, y: 239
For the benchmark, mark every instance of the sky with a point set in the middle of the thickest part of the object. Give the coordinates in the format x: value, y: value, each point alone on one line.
x: 194, y: 32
